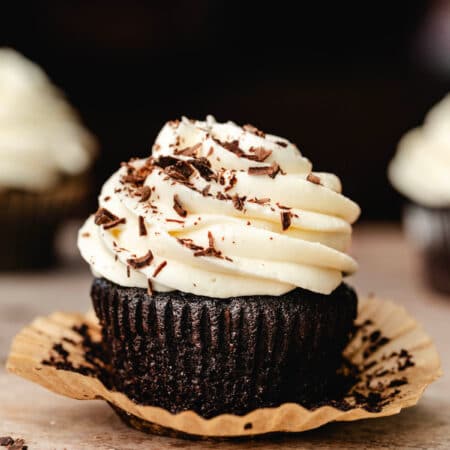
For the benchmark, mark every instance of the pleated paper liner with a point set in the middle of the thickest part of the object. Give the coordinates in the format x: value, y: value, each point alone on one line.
x: 390, y: 359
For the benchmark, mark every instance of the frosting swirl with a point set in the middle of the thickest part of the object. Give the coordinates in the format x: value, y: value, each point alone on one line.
x: 420, y: 169
x: 41, y: 136
x: 221, y: 210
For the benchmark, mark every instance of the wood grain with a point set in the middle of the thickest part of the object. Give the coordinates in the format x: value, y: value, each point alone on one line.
x: 389, y: 268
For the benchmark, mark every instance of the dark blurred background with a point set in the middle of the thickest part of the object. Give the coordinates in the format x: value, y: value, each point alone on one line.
x: 344, y: 81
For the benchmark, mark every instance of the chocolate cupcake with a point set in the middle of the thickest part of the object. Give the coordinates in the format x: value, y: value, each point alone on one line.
x: 218, y: 265
x: 420, y: 170
x: 45, y: 154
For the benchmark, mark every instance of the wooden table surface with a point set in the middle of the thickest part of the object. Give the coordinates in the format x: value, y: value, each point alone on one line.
x: 388, y: 268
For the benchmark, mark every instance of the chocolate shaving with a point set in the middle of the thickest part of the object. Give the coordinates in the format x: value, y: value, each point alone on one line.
x: 203, y: 167
x: 189, y: 151
x: 252, y: 129
x: 178, y: 207
x: 85, y: 234
x: 103, y: 216
x: 285, y: 220
x: 5, y: 441
x: 259, y: 201
x: 145, y: 193
x: 142, y: 227
x: 189, y: 243
x: 180, y: 171
x: 107, y: 198
x: 165, y: 161
x: 282, y: 144
x: 238, y: 202
x: 313, y: 179
x: 231, y: 182
x: 205, y: 190
x: 271, y: 170
x: 142, y: 261
x: 159, y: 268
x: 259, y: 154
x: 175, y: 220
x: 114, y: 223
x: 232, y: 146
x: 211, y: 250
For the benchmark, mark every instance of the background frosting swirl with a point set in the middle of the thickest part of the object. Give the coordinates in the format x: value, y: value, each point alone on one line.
x: 41, y: 136
x: 221, y: 210
x: 420, y: 169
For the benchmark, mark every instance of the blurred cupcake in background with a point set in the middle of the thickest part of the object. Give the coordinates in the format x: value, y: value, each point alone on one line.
x: 45, y: 156
x: 420, y: 171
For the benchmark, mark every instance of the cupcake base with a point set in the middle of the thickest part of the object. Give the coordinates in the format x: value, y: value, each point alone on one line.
x: 30, y: 222
x: 429, y: 230
x: 184, y: 352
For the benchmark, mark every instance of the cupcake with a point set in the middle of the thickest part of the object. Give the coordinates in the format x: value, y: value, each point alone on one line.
x: 420, y: 171
x: 218, y: 265
x: 44, y: 155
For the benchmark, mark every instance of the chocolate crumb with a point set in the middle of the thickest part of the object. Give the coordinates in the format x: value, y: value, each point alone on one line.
x: 189, y: 243
x: 6, y: 440
x: 259, y: 201
x: 231, y: 182
x: 159, y: 268
x: 313, y: 179
x: 85, y: 234
x: 282, y: 144
x: 203, y: 167
x: 142, y: 227
x: 260, y: 154
x: 178, y: 207
x: 285, y: 220
x: 175, y: 220
x: 107, y: 198
x: 142, y: 261
x: 103, y: 216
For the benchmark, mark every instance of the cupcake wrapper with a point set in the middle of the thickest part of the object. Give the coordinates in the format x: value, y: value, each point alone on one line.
x: 397, y: 381
x: 30, y: 221
x: 216, y: 356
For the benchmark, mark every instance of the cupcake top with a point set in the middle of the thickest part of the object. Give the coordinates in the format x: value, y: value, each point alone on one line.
x: 420, y: 169
x: 41, y: 137
x: 221, y: 210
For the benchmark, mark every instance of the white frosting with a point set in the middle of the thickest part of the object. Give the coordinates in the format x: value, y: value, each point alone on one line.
x: 256, y: 255
x: 420, y: 169
x: 41, y: 136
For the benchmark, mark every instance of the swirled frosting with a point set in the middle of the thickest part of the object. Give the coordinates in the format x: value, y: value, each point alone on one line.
x: 420, y: 169
x: 221, y: 210
x: 41, y: 137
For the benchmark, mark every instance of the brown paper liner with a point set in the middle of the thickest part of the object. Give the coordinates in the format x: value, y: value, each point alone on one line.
x: 34, y: 344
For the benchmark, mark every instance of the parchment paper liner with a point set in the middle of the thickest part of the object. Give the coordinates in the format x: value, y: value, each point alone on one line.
x: 34, y: 343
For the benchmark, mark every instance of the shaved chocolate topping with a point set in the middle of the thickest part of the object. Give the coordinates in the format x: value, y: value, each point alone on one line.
x: 285, y: 220
x: 252, y: 129
x: 238, y: 202
x: 259, y: 201
x: 189, y: 243
x: 231, y: 182
x: 232, y: 147
x: 159, y: 268
x: 165, y: 161
x: 178, y: 207
x: 282, y: 144
x: 204, y: 168
x: 145, y: 193
x: 271, y: 170
x: 103, y: 216
x: 189, y: 151
x: 142, y: 261
x: 180, y: 171
x: 114, y: 223
x: 313, y: 179
x: 142, y: 227
x: 205, y: 190
x: 149, y: 287
x: 259, y: 154
x: 211, y: 250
